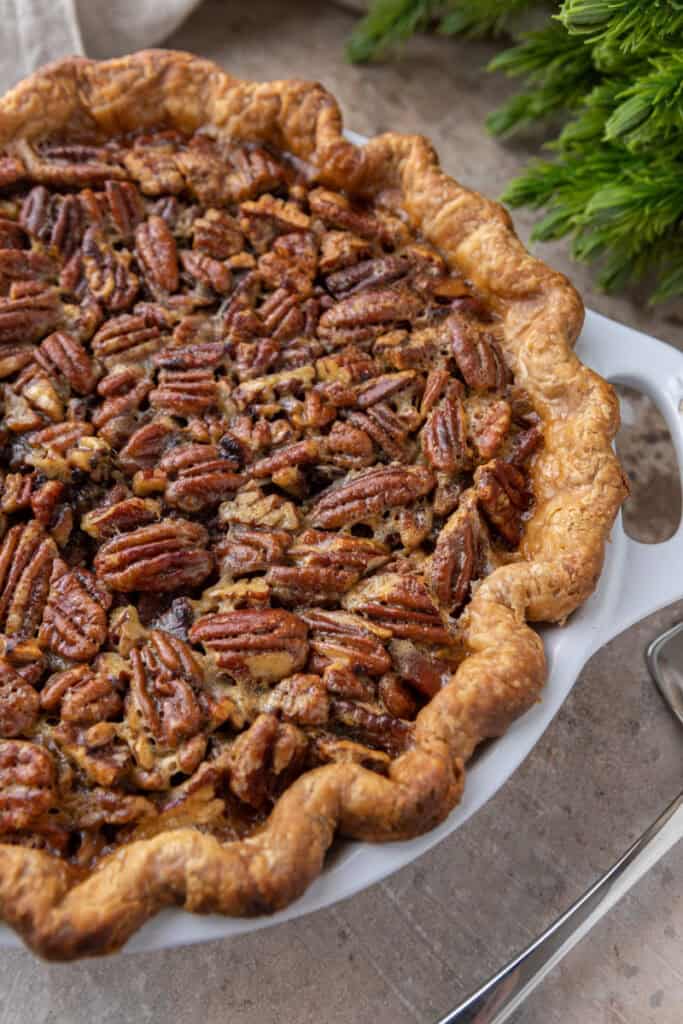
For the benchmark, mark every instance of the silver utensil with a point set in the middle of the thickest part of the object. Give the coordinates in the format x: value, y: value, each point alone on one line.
x: 499, y: 997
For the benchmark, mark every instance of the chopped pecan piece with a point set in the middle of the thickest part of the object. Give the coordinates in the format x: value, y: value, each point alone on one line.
x: 265, y: 759
x: 524, y: 444
x: 255, y: 171
x: 326, y: 748
x: 212, y: 274
x: 369, y: 494
x: 265, y: 645
x: 340, y: 249
x: 397, y: 696
x: 291, y: 263
x: 489, y: 424
x: 502, y: 495
x: 421, y: 669
x: 248, y: 549
x: 444, y: 438
x: 300, y: 698
x: 347, y: 640
x: 19, y: 702
x: 170, y: 555
x: 108, y: 272
x: 156, y: 252
x: 27, y: 784
x: 74, y: 621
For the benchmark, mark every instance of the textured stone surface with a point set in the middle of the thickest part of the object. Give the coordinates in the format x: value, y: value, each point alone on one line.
x: 408, y: 948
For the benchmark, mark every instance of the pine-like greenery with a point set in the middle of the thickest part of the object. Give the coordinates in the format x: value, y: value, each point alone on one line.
x: 613, y: 70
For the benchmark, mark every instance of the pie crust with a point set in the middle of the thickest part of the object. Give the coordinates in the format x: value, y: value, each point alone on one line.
x: 62, y: 912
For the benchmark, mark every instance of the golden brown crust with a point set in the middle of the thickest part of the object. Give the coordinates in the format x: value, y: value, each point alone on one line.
x: 577, y: 483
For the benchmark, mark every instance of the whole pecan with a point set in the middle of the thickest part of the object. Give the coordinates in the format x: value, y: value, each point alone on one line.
x: 199, y: 476
x: 265, y: 759
x: 62, y: 353
x: 81, y: 696
x: 108, y: 272
x: 157, y: 256
x: 170, y: 555
x: 401, y: 604
x: 185, y: 392
x: 369, y: 494
x: 478, y: 356
x: 503, y: 497
x: 347, y: 640
x: 454, y: 563
x: 27, y: 784
x: 264, y: 645
x: 19, y: 702
x: 26, y: 559
x: 75, y: 620
x: 131, y: 338
x: 444, y: 437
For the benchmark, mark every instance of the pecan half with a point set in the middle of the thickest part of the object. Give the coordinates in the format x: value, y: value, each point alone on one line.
x: 302, y: 699
x: 212, y: 274
x: 371, y: 493
x: 26, y: 559
x: 75, y: 620
x: 170, y: 555
x: 217, y: 234
x: 381, y: 730
x: 454, y: 563
x: 161, y: 689
x: 478, y: 356
x: 108, y: 272
x: 444, y: 437
x: 199, y: 476
x: 81, y: 696
x: 156, y: 252
x: 503, y: 498
x: 401, y: 604
x: 375, y: 306
x: 128, y: 339
x: 27, y: 784
x: 126, y: 208
x: 28, y: 318
x: 248, y: 549
x: 185, y: 392
x: 120, y: 517
x: 265, y: 645
x: 62, y: 353
x: 347, y: 640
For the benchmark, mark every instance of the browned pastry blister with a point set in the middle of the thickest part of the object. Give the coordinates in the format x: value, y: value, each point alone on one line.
x: 294, y: 448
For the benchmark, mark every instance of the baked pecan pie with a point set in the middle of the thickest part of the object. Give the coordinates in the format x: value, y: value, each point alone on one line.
x: 294, y: 444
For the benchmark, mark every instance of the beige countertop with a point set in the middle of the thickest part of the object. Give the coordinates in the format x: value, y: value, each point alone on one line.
x: 408, y: 948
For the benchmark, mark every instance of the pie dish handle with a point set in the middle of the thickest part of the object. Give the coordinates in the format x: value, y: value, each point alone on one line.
x: 650, y: 576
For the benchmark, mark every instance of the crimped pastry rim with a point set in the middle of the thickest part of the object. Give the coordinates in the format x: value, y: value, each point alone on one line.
x: 577, y: 482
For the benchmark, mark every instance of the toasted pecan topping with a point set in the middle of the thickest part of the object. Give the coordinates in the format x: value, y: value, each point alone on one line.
x: 261, y: 443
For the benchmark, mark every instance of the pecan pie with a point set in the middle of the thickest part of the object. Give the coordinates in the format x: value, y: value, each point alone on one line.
x: 294, y: 445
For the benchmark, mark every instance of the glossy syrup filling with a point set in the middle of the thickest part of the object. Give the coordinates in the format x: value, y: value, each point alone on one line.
x: 258, y: 444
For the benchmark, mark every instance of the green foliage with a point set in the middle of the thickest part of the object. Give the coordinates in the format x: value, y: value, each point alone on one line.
x: 613, y: 70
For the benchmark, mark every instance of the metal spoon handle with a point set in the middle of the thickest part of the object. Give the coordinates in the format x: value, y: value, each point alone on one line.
x: 499, y: 997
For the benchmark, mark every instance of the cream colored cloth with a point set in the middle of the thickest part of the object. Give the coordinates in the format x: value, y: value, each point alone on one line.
x: 33, y: 32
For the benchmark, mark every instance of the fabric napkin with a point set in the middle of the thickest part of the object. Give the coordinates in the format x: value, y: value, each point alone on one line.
x: 33, y: 32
